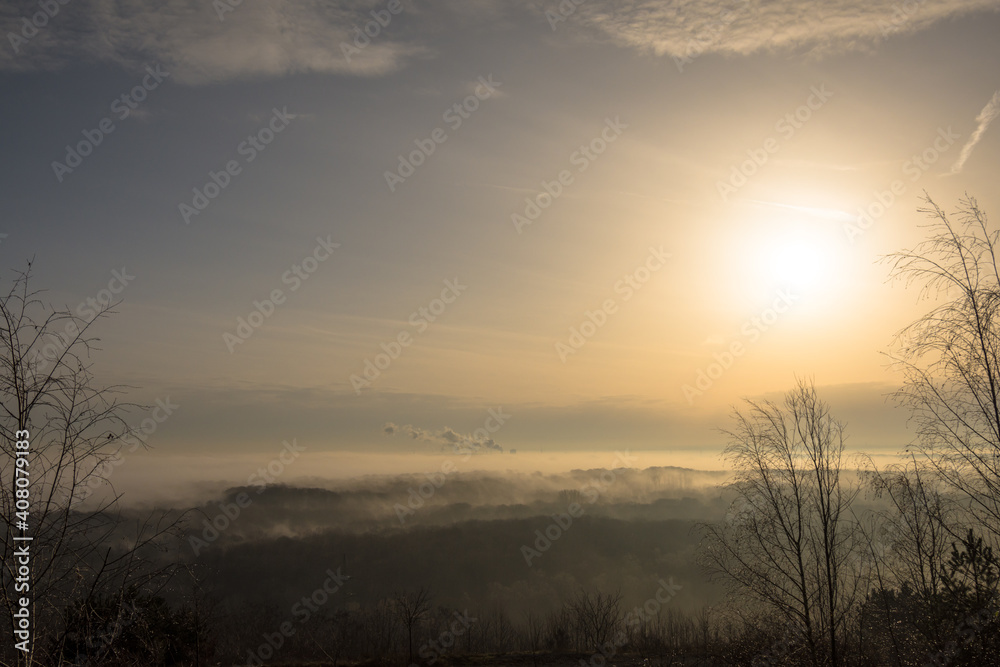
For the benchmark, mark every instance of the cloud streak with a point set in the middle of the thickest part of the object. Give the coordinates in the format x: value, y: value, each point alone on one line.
x: 447, y: 438
x: 187, y: 37
x: 690, y: 28
x: 989, y: 114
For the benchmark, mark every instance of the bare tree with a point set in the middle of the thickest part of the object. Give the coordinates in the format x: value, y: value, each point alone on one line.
x: 597, y: 616
x: 950, y: 357
x: 909, y: 541
x: 498, y: 631
x: 534, y: 632
x: 379, y: 628
x: 789, y: 540
x: 49, y: 398
x: 337, y: 633
x: 559, y: 630
x: 905, y: 545
x: 411, y: 608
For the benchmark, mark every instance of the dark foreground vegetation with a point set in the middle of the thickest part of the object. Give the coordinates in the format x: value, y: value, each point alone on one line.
x: 804, y: 558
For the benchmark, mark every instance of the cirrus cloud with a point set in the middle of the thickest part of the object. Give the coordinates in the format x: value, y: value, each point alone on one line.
x: 187, y: 37
x: 985, y: 118
x: 688, y: 28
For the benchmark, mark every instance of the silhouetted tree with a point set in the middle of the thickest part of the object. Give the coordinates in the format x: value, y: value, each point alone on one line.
x: 950, y: 357
x: 411, y: 608
x: 534, y: 631
x: 790, y: 541
x: 597, y: 617
x: 74, y: 429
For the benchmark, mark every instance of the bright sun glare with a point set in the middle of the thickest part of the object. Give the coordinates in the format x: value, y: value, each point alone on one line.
x: 792, y: 247
x: 800, y: 263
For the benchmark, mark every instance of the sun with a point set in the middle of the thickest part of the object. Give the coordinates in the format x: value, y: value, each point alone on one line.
x: 798, y: 262
x: 778, y: 246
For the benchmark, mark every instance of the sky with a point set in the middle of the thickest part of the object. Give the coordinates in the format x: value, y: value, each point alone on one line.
x: 384, y: 228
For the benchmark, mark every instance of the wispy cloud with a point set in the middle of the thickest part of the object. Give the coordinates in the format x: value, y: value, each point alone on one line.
x: 446, y: 438
x: 188, y: 38
x: 989, y: 114
x: 690, y: 28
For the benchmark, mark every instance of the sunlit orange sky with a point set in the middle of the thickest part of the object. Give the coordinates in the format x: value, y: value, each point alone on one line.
x: 592, y: 204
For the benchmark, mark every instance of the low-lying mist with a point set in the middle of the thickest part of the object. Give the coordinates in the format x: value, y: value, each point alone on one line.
x: 440, y: 498
x: 154, y: 477
x: 478, y: 539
